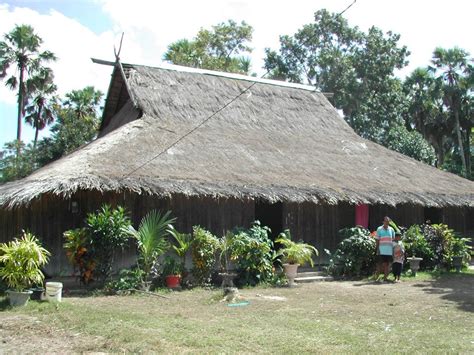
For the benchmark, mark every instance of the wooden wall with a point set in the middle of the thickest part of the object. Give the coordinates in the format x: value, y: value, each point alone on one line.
x: 318, y: 225
x: 50, y: 216
x: 404, y: 215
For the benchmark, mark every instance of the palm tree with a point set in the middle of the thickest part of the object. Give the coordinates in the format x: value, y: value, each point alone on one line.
x: 425, y: 110
x: 21, y: 48
x: 40, y: 112
x: 84, y: 102
x: 454, y: 71
x: 151, y: 240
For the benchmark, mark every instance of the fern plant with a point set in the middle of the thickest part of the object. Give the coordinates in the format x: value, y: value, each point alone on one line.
x: 295, y: 252
x: 21, y: 261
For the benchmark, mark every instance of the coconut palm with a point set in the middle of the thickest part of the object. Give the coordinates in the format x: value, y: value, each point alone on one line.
x: 40, y: 112
x: 151, y: 239
x: 21, y: 49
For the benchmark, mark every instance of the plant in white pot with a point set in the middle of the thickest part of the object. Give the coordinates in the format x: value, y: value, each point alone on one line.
x: 21, y: 261
x: 293, y: 255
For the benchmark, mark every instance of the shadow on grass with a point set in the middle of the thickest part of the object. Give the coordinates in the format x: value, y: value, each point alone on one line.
x: 453, y: 287
x: 4, y: 304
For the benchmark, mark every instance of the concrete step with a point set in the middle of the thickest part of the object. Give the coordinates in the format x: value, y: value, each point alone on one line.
x: 310, y: 274
x: 313, y: 279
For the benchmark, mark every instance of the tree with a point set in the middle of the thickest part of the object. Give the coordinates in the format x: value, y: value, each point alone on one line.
x: 411, y: 143
x: 13, y: 166
x: 425, y: 111
x: 40, y: 111
x: 216, y: 49
x: 454, y: 72
x: 21, y: 48
x: 77, y: 122
x: 357, y: 67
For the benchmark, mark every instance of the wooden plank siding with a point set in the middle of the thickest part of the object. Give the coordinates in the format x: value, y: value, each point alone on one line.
x: 50, y: 216
x: 318, y: 225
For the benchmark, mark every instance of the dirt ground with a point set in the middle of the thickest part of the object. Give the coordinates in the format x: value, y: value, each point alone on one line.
x: 35, y: 330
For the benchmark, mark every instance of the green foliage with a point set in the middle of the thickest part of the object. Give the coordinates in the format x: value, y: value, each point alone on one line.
x: 204, y: 248
x: 171, y: 266
x: 79, y: 253
x: 15, y: 166
x: 128, y: 279
x: 356, y: 66
x: 295, y: 252
x: 460, y: 247
x: 108, y: 230
x: 40, y: 111
x: 453, y: 69
x: 21, y: 50
x: 410, y: 143
x: 216, y: 49
x: 436, y: 244
x: 182, y: 243
x: 355, y: 254
x: 151, y: 238
x: 21, y: 261
x: 76, y: 124
x: 416, y: 245
x: 252, y: 251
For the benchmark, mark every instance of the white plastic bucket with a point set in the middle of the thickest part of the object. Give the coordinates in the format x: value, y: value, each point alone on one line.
x: 54, y: 291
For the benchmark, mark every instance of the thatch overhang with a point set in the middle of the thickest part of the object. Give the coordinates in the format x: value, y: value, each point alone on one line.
x: 278, y: 142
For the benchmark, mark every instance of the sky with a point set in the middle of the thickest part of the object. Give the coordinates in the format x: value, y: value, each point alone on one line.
x: 76, y: 30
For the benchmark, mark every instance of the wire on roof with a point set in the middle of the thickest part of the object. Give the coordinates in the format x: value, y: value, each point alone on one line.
x: 203, y: 121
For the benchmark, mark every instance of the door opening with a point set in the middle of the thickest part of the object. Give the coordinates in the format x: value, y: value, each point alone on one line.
x: 270, y: 215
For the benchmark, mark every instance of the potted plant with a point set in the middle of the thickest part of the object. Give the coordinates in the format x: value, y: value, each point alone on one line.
x: 21, y: 261
x: 181, y: 245
x: 172, y: 271
x: 293, y: 255
x: 226, y: 256
x: 460, y: 252
x: 414, y: 264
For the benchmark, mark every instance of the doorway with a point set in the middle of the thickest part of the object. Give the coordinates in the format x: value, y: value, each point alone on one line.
x: 270, y: 215
x: 433, y: 214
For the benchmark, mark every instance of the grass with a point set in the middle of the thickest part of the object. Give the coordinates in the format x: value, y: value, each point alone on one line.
x: 429, y: 315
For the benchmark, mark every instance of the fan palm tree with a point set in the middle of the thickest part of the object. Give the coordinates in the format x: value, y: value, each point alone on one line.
x: 84, y: 102
x: 40, y: 112
x: 21, y: 48
x: 454, y: 70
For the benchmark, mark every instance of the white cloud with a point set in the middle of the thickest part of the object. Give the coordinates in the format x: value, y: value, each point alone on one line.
x: 72, y: 43
x: 423, y: 25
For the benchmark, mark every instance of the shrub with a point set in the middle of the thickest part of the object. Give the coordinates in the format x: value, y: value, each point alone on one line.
x: 355, y: 254
x: 128, y: 280
x: 416, y: 245
x: 204, y: 248
x: 108, y: 230
x: 254, y: 251
x: 79, y: 253
x: 92, y: 249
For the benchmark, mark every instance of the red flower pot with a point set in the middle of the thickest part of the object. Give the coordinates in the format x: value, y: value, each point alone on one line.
x: 172, y: 281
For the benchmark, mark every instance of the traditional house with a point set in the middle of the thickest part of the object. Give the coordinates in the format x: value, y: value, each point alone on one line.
x: 222, y: 150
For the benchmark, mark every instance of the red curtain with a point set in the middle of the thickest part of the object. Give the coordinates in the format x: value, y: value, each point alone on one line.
x: 362, y: 215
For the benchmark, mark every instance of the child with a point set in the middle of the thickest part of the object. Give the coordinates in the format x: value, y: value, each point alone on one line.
x: 398, y: 257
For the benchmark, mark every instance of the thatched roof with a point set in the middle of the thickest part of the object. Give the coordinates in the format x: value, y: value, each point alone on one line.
x: 278, y: 142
